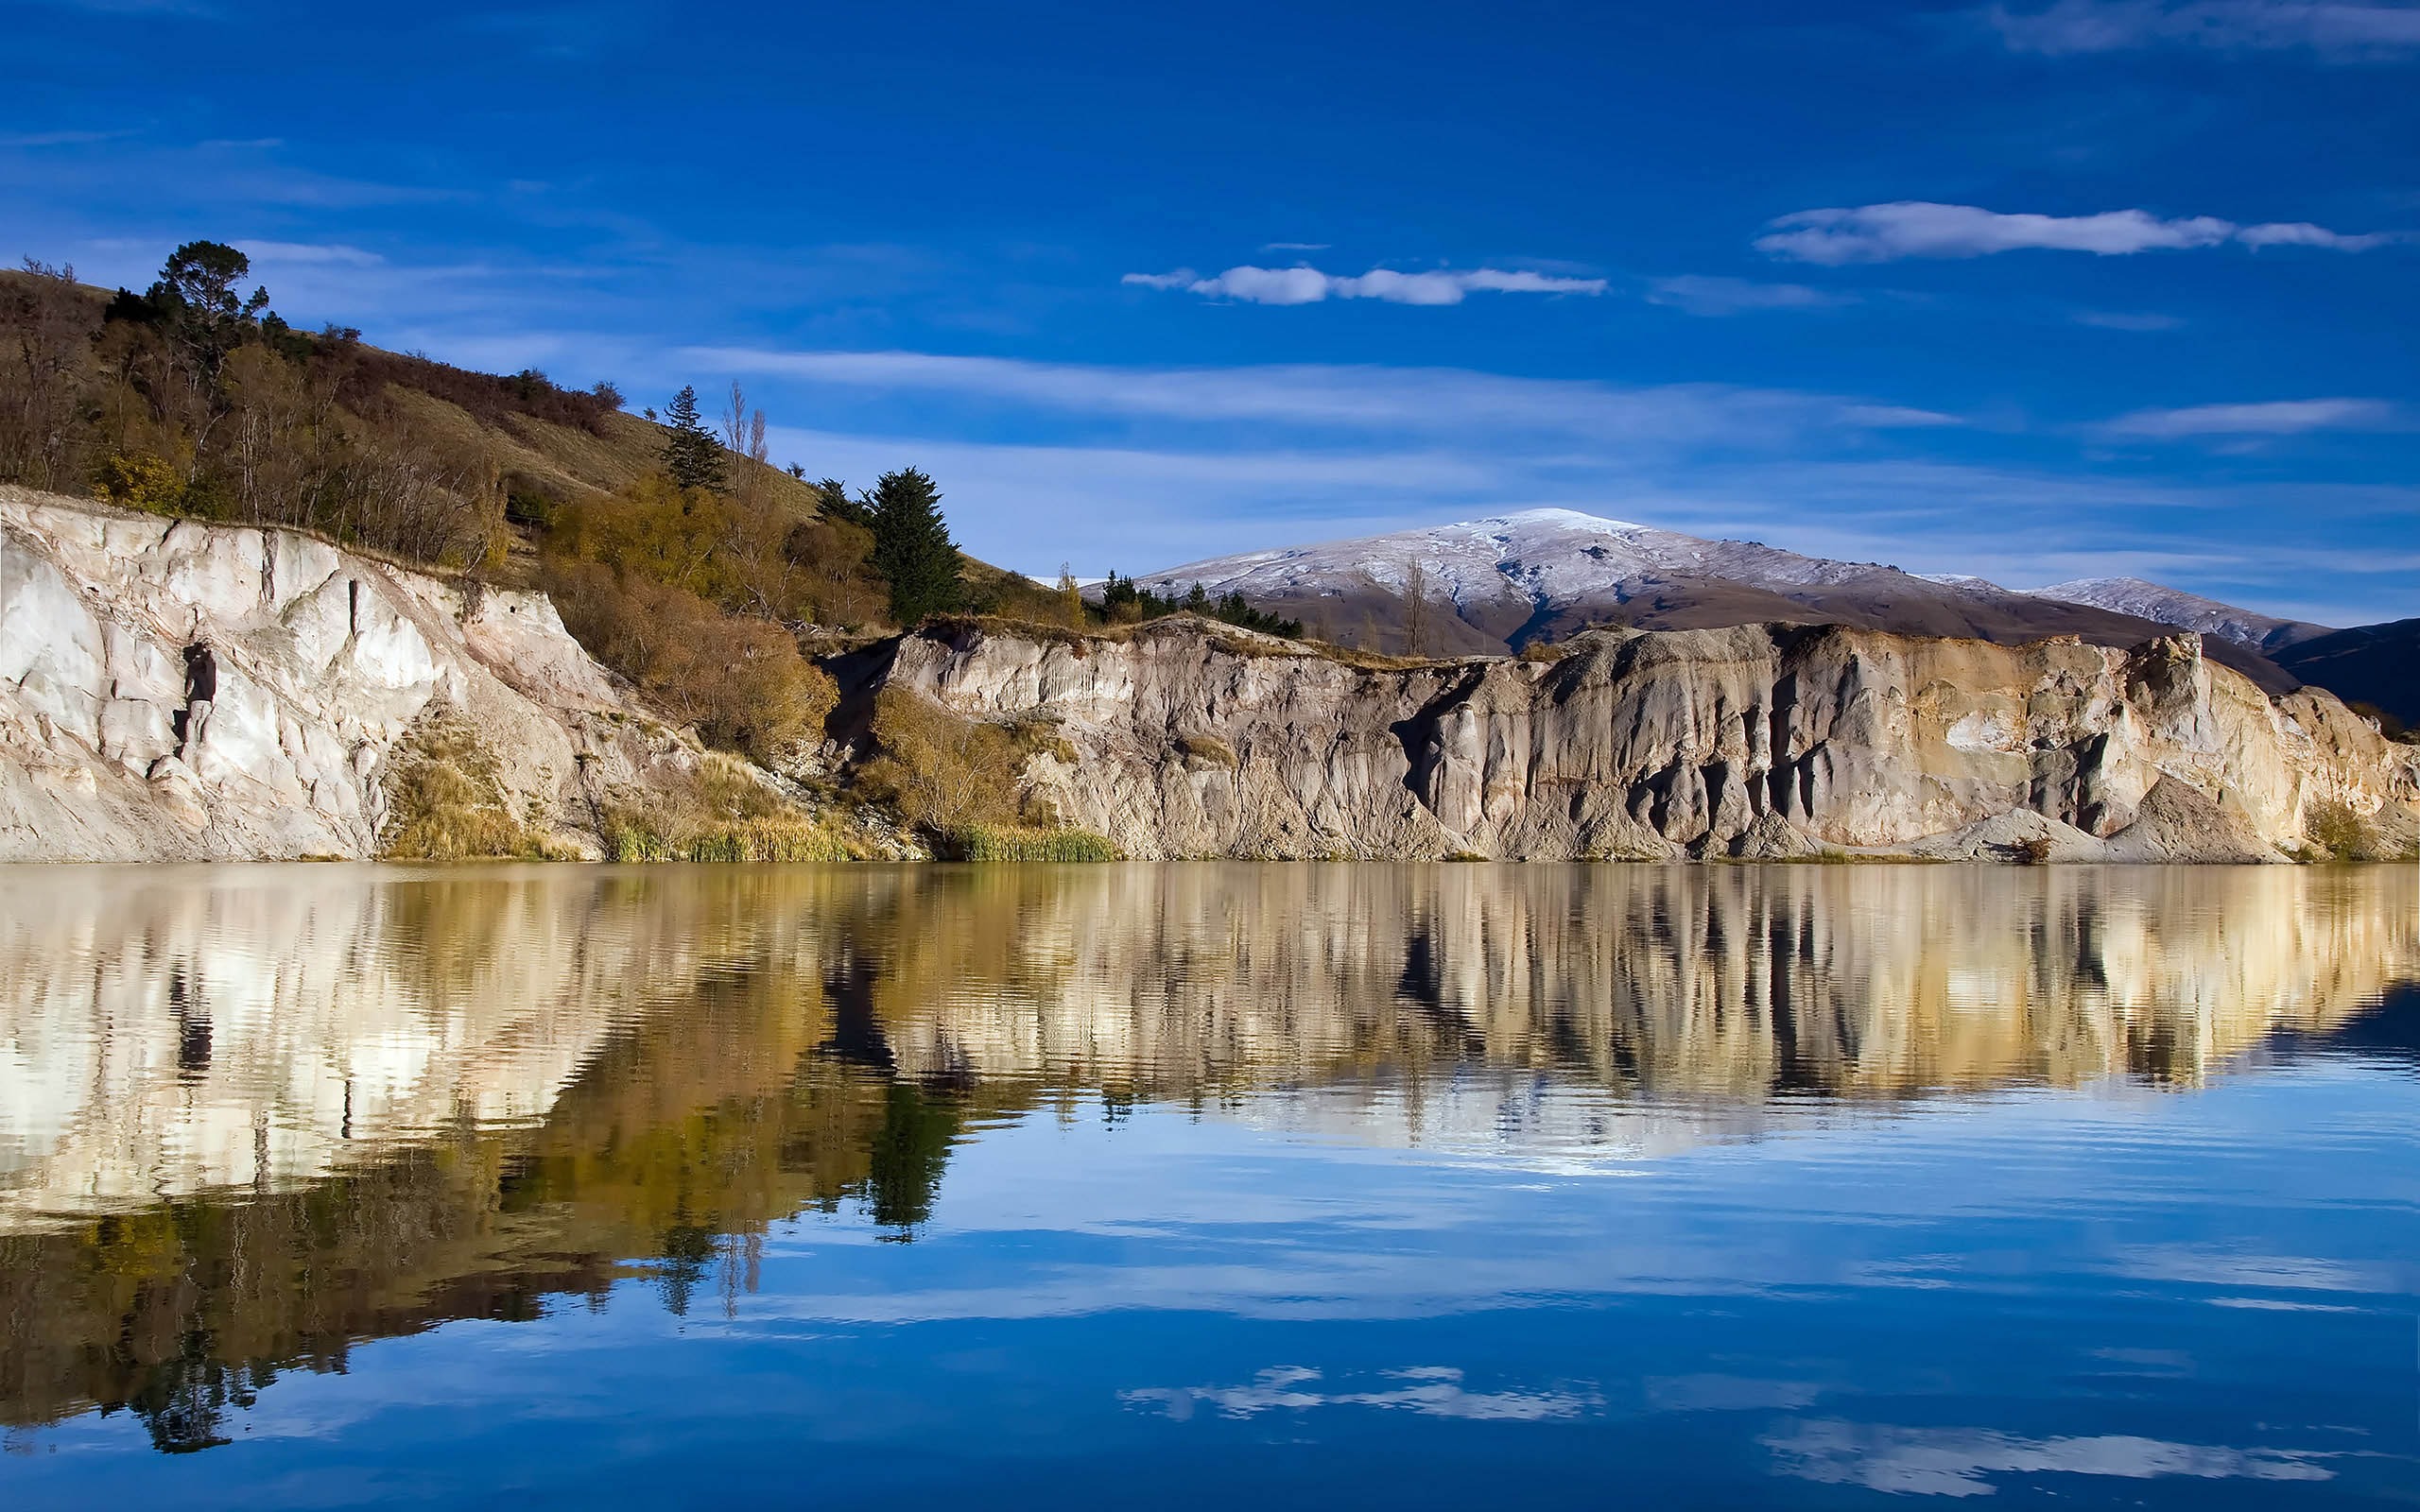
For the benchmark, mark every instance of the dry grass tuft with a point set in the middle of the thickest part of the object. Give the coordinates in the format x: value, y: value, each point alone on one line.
x: 1201, y: 752
x: 719, y: 812
x: 445, y: 801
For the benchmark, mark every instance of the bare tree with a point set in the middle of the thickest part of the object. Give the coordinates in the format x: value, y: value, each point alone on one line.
x: 46, y: 345
x: 1071, y: 598
x: 743, y: 431
x: 1416, y: 608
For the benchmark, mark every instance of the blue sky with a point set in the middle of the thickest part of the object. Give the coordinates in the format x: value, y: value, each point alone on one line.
x: 2029, y: 291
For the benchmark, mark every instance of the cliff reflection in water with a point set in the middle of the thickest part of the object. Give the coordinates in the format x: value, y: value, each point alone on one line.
x: 250, y: 1117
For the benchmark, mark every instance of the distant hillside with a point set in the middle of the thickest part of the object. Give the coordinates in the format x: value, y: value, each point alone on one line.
x: 2249, y: 628
x: 1510, y: 580
x: 2375, y: 664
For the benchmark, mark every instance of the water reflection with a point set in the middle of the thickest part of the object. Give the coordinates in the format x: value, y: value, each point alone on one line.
x: 250, y: 1117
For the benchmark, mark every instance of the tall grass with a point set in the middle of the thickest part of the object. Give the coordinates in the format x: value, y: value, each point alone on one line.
x: 987, y: 842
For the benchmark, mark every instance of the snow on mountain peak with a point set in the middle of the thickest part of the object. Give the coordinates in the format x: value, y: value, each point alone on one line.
x: 1541, y: 556
x: 2172, y: 606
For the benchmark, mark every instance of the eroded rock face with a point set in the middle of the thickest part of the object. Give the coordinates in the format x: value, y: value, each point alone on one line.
x: 1190, y: 739
x: 1756, y: 740
x: 324, y: 661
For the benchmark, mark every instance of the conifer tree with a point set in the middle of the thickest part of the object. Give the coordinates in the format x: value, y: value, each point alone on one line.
x: 197, y: 300
x: 912, y: 549
x: 833, y: 502
x: 691, y: 454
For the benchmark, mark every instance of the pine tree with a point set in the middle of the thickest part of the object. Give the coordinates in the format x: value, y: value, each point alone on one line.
x: 912, y: 549
x: 691, y: 454
x: 833, y: 502
x: 197, y: 298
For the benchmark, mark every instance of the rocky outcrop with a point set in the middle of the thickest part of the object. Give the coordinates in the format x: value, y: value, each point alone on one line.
x: 1762, y: 740
x: 330, y: 674
x: 325, y: 663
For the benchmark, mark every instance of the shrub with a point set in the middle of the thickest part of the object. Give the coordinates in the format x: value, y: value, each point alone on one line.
x: 2335, y: 832
x: 740, y: 680
x: 139, y: 482
x: 941, y: 772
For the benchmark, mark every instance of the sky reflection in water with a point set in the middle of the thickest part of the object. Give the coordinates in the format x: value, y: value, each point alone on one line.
x: 1443, y: 1184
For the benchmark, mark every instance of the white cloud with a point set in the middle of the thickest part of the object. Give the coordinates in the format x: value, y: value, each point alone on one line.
x: 1916, y: 228
x: 2292, y: 417
x: 1308, y: 285
x: 1296, y: 247
x: 2332, y: 28
x: 1736, y: 296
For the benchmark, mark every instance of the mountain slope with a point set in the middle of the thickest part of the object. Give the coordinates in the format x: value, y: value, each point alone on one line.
x: 2261, y: 633
x: 2377, y: 665
x: 1544, y: 573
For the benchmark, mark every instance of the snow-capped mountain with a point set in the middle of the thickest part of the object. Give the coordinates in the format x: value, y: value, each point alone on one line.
x: 2172, y: 606
x: 1538, y: 556
x: 1512, y: 578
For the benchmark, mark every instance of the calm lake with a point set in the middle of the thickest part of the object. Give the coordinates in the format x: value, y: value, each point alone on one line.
x: 1181, y: 1185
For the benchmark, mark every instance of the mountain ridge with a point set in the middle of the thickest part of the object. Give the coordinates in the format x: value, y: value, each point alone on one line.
x: 2148, y: 600
x: 1500, y: 582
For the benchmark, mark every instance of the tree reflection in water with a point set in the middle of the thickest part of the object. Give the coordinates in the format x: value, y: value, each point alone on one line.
x: 258, y: 1115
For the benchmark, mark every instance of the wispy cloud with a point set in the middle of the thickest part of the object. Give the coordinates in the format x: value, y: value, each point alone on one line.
x: 1302, y: 284
x: 2127, y: 321
x: 316, y: 253
x: 60, y: 139
x: 1700, y: 295
x: 1916, y: 228
x: 2303, y: 234
x: 1401, y: 400
x: 2289, y: 417
x: 1138, y: 468
x: 1294, y: 247
x: 145, y: 8
x: 2334, y: 29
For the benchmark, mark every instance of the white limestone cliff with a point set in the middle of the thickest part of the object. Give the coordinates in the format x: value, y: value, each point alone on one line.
x: 326, y: 661
x: 1193, y: 739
